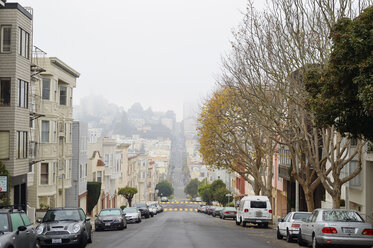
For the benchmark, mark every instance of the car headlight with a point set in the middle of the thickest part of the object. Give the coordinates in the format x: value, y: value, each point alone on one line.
x: 118, y: 220
x: 39, y: 230
x: 76, y: 228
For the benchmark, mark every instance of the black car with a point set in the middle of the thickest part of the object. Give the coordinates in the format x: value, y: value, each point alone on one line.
x: 16, y: 229
x: 64, y: 226
x: 143, y: 209
x: 110, y: 218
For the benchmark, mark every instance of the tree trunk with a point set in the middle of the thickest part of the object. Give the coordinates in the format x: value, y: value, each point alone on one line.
x: 129, y: 202
x: 256, y: 189
x: 337, y: 199
x: 309, y: 200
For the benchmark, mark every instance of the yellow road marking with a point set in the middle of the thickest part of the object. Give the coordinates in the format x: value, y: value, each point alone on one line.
x: 166, y: 209
x: 180, y: 209
x: 186, y: 209
x: 190, y: 209
x: 175, y: 209
x: 195, y: 210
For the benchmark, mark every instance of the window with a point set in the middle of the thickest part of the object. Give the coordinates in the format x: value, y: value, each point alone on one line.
x: 258, y: 204
x: 22, y: 142
x: 106, y: 159
x: 356, y: 181
x: 55, y: 89
x: 46, y: 89
x: 24, y: 43
x: 5, y: 92
x: 5, y: 39
x: 44, y: 173
x: 4, y: 145
x: 63, y: 95
x: 22, y: 94
x: 16, y: 220
x: 353, y: 142
x: 99, y: 176
x: 82, y: 214
x: 25, y: 219
x: 45, y: 131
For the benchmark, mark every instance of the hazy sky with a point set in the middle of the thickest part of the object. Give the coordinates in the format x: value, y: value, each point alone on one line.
x: 156, y: 52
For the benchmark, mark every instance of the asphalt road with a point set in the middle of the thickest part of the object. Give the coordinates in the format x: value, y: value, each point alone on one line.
x: 180, y: 226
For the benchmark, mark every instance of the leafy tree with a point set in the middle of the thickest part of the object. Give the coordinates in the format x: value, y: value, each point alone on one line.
x: 93, y: 194
x: 220, y: 195
x: 192, y: 187
x: 128, y: 193
x: 204, y: 190
x: 164, y: 188
x: 342, y: 93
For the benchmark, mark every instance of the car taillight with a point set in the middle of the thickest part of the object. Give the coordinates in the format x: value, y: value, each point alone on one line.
x: 246, y: 210
x: 367, y: 232
x: 331, y: 230
x: 216, y: 211
x: 295, y: 225
x: 270, y: 211
x: 235, y: 212
x: 226, y: 212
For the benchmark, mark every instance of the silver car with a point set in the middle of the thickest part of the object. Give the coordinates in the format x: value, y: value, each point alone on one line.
x: 335, y: 227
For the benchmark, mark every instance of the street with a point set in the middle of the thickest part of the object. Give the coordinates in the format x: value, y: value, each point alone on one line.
x: 179, y: 226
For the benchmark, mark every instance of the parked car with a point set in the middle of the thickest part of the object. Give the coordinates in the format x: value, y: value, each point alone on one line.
x: 211, y: 210
x: 216, y: 211
x: 152, y: 209
x: 111, y: 218
x: 198, y: 199
x: 203, y: 209
x: 16, y: 229
x: 254, y: 209
x: 133, y: 215
x: 199, y: 208
x: 289, y: 225
x: 64, y: 226
x: 336, y: 227
x: 159, y: 207
x: 164, y: 199
x: 228, y: 212
x: 143, y: 208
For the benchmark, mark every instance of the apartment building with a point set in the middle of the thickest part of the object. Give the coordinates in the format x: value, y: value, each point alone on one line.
x: 52, y: 101
x: 96, y: 173
x: 15, y: 74
x: 76, y: 196
x: 137, y: 173
x: 122, y: 151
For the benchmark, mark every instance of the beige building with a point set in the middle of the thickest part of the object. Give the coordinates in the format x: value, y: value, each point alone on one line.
x: 52, y: 106
x: 96, y: 173
x: 137, y: 173
x: 15, y: 75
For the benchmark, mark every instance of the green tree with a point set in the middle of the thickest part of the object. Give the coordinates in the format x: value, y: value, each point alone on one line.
x: 220, y: 195
x: 192, y: 187
x: 128, y: 193
x: 342, y: 93
x: 164, y: 188
x: 204, y: 190
x: 93, y: 194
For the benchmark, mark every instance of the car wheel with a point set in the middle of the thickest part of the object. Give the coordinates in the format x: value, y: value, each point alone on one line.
x: 90, y: 237
x: 314, y: 242
x: 244, y: 223
x: 37, y: 244
x: 265, y: 225
x: 147, y: 216
x: 83, y: 241
x: 288, y: 236
x: 279, y: 236
x: 300, y: 240
x: 238, y: 222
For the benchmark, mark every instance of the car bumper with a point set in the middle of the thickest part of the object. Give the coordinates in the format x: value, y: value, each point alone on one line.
x: 229, y: 215
x: 104, y: 226
x: 59, y: 240
x: 257, y: 220
x: 294, y: 232
x: 346, y: 241
x: 132, y: 220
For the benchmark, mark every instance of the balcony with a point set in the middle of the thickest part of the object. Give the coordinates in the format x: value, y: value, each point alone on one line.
x: 37, y: 61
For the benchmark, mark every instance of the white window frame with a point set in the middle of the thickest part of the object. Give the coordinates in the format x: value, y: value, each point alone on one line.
x: 3, y: 27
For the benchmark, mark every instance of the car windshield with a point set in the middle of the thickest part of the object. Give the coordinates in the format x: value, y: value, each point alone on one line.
x: 258, y: 204
x: 341, y: 216
x: 140, y: 205
x: 107, y: 212
x: 62, y: 215
x: 130, y: 210
x: 4, y: 224
x: 229, y: 209
x: 299, y: 216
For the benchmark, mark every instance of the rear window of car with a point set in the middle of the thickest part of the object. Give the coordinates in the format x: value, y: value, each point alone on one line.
x: 299, y: 216
x: 258, y: 204
x: 229, y: 209
x: 341, y: 216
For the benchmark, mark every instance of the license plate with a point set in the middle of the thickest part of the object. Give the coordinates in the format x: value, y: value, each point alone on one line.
x: 349, y: 230
x: 56, y: 241
x: 107, y: 224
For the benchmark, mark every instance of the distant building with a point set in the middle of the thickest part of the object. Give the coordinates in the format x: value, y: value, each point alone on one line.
x: 94, y: 134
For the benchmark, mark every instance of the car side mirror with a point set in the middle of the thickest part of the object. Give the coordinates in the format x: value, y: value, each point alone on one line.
x: 21, y: 228
x: 38, y: 221
x: 280, y: 220
x: 87, y: 219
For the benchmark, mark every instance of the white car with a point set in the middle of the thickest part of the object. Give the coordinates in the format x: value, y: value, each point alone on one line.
x: 254, y: 209
x: 152, y: 209
x: 289, y: 226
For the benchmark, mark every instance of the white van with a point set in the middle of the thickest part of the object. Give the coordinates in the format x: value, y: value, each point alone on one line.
x: 254, y: 209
